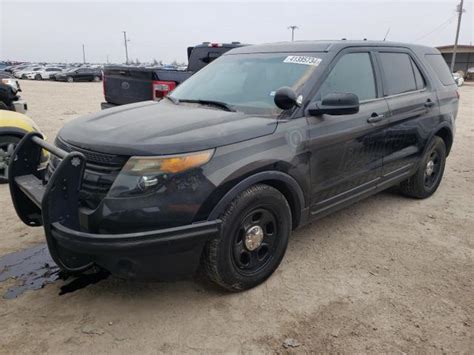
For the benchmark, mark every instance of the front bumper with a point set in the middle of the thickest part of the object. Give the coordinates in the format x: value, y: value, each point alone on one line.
x: 158, y: 254
x: 20, y: 106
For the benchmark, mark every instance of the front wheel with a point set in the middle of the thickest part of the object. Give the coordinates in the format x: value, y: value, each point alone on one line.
x: 70, y: 79
x: 254, y: 236
x: 96, y: 79
x: 7, y: 147
x: 430, y: 172
x: 38, y: 77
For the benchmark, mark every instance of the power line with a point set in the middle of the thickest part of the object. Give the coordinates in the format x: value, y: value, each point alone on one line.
x: 439, y: 27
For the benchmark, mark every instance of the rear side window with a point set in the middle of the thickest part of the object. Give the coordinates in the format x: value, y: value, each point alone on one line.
x: 440, y: 67
x: 353, y: 74
x: 398, y: 73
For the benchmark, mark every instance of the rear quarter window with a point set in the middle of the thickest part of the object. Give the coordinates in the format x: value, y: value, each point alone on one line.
x: 439, y: 66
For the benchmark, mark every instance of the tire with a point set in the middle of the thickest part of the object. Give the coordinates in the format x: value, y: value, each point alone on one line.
x: 96, y: 79
x: 70, y: 79
x: 239, y: 259
x: 430, y: 172
x: 38, y: 77
x: 7, y: 146
x: 24, y: 76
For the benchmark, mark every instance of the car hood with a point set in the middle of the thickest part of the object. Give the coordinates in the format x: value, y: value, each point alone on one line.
x: 155, y: 128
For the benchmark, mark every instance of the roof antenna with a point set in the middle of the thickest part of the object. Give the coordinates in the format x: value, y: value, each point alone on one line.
x: 386, y: 34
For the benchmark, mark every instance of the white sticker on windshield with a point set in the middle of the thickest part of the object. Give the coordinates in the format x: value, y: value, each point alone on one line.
x: 301, y: 59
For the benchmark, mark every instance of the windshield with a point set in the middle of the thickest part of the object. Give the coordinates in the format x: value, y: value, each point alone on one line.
x: 248, y: 82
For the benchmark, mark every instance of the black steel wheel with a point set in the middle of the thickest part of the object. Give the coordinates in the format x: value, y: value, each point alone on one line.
x: 7, y: 147
x: 430, y: 171
x: 255, y: 241
x: 254, y: 236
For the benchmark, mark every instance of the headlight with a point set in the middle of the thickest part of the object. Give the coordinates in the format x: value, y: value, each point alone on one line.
x: 9, y: 81
x: 144, y: 174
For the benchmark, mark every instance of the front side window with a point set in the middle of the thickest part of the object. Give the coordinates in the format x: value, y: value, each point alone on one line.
x: 398, y: 73
x: 352, y: 74
x: 248, y: 81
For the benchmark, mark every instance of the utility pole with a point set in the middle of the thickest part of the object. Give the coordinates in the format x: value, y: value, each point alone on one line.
x: 83, y: 54
x: 125, y: 40
x: 386, y: 34
x: 293, y: 28
x: 460, y: 10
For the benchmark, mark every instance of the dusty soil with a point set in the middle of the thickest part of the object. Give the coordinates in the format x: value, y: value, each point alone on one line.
x: 387, y: 275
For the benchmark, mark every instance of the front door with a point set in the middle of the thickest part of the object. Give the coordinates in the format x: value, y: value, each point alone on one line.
x: 347, y: 149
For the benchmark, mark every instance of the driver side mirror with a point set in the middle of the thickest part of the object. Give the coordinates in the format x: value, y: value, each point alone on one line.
x: 335, y: 104
x: 286, y: 98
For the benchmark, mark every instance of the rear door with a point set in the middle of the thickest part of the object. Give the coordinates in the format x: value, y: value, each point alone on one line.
x: 80, y: 75
x: 346, y: 157
x: 413, y: 108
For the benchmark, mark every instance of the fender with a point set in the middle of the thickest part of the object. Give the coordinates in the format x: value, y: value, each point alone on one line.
x: 298, y: 198
x: 443, y: 125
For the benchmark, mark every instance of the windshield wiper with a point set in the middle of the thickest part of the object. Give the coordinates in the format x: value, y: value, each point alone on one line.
x: 219, y: 104
x: 172, y: 99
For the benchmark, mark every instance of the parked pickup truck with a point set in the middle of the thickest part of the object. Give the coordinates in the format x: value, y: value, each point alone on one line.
x: 125, y: 84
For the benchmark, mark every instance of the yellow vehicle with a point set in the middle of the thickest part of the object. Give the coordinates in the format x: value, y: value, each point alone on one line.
x: 13, y: 126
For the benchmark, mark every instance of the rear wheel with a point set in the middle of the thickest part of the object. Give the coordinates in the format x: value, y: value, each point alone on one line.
x: 96, y: 78
x: 7, y: 147
x: 430, y: 173
x: 254, y: 236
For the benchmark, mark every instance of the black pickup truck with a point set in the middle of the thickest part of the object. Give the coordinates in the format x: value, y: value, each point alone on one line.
x: 125, y: 84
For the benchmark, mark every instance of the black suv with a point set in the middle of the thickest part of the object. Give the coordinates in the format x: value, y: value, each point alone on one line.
x: 258, y: 143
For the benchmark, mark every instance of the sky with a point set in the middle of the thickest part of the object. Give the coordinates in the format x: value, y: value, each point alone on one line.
x: 55, y: 31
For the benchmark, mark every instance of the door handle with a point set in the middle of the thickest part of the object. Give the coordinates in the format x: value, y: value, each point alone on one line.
x: 429, y: 103
x: 375, y: 117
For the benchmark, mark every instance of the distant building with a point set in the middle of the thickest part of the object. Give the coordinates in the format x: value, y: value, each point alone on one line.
x: 464, y: 56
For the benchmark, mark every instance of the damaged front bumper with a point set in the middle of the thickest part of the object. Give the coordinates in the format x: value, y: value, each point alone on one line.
x: 159, y: 254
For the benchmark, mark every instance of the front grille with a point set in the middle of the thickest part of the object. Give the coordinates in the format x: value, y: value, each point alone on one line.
x: 99, y: 175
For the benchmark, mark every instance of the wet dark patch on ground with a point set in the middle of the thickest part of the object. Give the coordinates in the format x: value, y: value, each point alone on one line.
x: 33, y: 268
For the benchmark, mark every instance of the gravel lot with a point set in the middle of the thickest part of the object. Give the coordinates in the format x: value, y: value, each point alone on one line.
x: 389, y: 274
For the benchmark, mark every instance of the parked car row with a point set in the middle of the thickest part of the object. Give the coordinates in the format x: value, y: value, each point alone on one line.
x: 56, y: 72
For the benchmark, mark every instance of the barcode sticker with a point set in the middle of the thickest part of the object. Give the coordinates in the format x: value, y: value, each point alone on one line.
x: 299, y: 59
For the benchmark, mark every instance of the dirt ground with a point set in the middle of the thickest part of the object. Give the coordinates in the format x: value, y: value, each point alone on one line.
x: 387, y: 275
